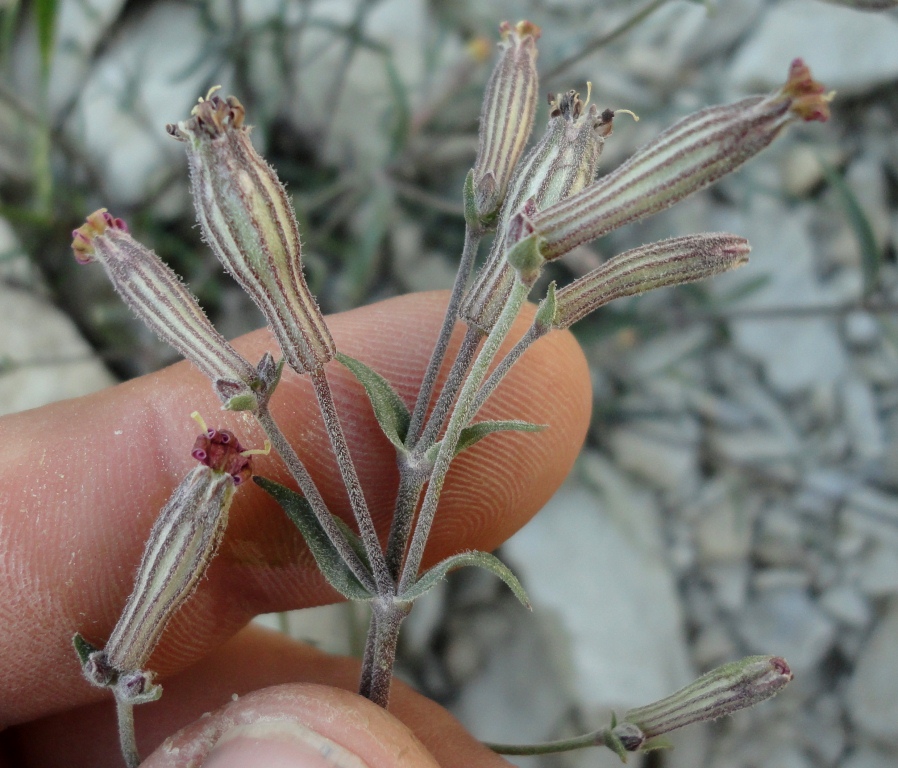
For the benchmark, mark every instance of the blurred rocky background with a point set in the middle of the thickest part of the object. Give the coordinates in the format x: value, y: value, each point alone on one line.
x: 739, y: 490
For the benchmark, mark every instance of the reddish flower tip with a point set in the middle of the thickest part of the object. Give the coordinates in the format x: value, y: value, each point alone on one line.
x: 522, y: 28
x: 213, y: 116
x: 780, y: 665
x: 809, y: 99
x: 95, y: 225
x: 221, y: 451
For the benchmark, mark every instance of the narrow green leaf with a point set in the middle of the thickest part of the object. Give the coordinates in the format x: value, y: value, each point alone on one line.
x: 83, y: 648
x: 355, y: 541
x: 391, y: 413
x: 45, y: 11
x: 326, y: 556
x: 614, y: 743
x: 545, y: 314
x: 401, y: 112
x: 481, y: 560
x: 871, y: 255
x: 470, y: 201
x: 375, y: 212
x: 478, y: 431
x: 9, y: 15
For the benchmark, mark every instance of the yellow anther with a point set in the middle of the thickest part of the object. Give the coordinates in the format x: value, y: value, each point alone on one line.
x: 258, y: 451
x: 199, y: 420
x: 202, y: 99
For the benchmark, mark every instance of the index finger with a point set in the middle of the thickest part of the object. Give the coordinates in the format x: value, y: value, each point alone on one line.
x: 81, y: 482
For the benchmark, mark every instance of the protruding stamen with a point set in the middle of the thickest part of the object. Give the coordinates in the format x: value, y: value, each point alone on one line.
x: 258, y: 451
x: 199, y: 420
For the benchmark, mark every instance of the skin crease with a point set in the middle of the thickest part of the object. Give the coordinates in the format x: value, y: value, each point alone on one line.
x: 81, y: 482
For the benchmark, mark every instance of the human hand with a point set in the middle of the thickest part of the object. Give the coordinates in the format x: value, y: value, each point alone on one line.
x: 81, y: 482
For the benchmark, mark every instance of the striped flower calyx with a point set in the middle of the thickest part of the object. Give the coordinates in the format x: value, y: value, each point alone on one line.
x: 506, y: 118
x: 180, y: 546
x: 668, y: 262
x: 720, y: 692
x: 156, y: 294
x: 563, y: 162
x: 248, y: 221
x: 685, y: 158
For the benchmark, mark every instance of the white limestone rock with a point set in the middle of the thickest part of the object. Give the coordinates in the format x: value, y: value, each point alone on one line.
x: 787, y: 622
x: 862, y: 420
x: 847, y: 604
x: 724, y: 529
x: 848, y: 51
x: 796, y: 352
x: 45, y: 357
x: 662, y: 451
x: 524, y: 691
x: 874, y: 513
x: 614, y: 596
x: 146, y: 78
x: 878, y: 571
x: 873, y: 690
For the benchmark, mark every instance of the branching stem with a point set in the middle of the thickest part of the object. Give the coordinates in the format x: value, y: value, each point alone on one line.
x: 363, y: 519
x: 308, y: 488
x: 473, y: 235
x: 457, y: 422
x: 454, y: 382
x: 499, y: 372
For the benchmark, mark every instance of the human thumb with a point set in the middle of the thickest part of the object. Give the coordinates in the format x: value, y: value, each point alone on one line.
x: 297, y: 725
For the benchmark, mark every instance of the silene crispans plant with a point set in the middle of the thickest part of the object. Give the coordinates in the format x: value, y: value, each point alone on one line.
x: 541, y: 203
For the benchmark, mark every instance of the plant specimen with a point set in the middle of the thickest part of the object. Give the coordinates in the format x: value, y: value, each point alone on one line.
x: 542, y: 203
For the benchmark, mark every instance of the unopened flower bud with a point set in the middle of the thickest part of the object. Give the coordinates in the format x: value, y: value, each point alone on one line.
x: 506, y: 118
x: 722, y: 691
x: 668, y: 262
x: 155, y: 293
x: 181, y: 544
x: 685, y: 158
x: 561, y: 164
x: 248, y: 221
x: 628, y: 736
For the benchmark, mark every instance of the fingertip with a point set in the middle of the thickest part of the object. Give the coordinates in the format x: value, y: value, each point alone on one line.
x: 278, y: 744
x: 296, y: 725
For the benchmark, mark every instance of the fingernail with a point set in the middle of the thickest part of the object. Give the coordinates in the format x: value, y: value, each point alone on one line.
x: 279, y: 744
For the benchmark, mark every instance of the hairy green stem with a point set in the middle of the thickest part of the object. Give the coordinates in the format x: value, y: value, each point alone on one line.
x: 368, y: 657
x: 454, y: 383
x: 411, y: 477
x: 387, y: 624
x: 127, y: 740
x: 308, y: 488
x: 410, y: 485
x: 473, y: 235
x: 499, y: 372
x: 351, y: 480
x: 457, y: 422
x: 594, y: 739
